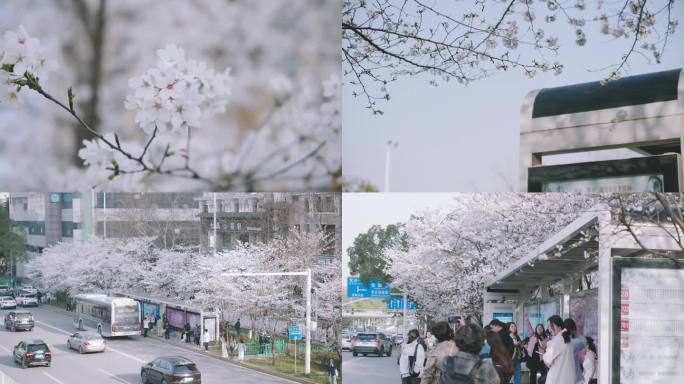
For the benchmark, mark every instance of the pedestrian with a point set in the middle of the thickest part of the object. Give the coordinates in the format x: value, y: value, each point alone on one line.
x: 559, y: 355
x: 499, y: 355
x: 411, y: 358
x: 517, y: 352
x: 466, y: 366
x: 535, y: 349
x: 224, y: 346
x: 589, y: 365
x: 579, y: 343
x: 165, y: 325
x: 241, y: 350
x: 499, y: 327
x: 186, y: 331
x: 39, y: 296
x: 332, y: 372
x: 206, y: 338
x: 237, y: 327
x: 430, y: 340
x: 444, y: 346
x: 197, y: 334
x: 146, y: 325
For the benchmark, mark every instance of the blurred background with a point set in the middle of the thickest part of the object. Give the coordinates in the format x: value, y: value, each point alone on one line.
x: 277, y: 51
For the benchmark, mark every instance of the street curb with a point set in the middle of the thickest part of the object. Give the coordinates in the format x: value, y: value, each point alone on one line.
x: 201, y: 351
x: 230, y: 361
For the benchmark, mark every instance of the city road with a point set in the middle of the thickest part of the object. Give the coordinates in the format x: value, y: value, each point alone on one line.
x: 370, y: 369
x: 120, y: 363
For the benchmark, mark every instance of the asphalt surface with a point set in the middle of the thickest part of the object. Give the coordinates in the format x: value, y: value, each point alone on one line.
x: 370, y: 369
x: 120, y: 363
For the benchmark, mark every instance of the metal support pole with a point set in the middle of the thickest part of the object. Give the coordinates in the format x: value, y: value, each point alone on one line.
x: 404, y: 312
x: 215, y: 239
x: 104, y: 215
x: 307, y: 361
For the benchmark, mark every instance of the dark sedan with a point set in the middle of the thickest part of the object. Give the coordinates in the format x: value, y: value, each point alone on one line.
x: 171, y: 369
x: 32, y: 352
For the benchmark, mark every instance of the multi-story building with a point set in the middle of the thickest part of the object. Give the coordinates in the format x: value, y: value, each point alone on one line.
x: 260, y: 217
x: 49, y: 218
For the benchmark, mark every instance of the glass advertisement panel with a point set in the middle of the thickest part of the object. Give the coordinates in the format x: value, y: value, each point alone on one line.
x: 176, y: 317
x: 648, y: 319
x: 194, y: 319
x: 537, y: 313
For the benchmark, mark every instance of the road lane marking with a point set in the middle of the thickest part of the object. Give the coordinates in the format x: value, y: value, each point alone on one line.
x: 6, y: 349
x: 113, y: 376
x: 53, y: 378
x: 108, y: 348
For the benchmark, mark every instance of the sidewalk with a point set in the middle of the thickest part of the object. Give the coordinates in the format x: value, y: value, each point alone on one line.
x: 214, y: 350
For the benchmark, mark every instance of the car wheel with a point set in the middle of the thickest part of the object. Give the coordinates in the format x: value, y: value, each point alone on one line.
x: 80, y: 349
x: 365, y: 354
x: 354, y: 354
x: 143, y: 377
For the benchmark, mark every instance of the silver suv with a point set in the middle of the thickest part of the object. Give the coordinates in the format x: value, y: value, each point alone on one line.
x: 376, y: 343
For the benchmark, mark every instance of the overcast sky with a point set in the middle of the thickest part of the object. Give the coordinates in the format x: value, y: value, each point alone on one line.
x: 360, y: 211
x: 458, y: 138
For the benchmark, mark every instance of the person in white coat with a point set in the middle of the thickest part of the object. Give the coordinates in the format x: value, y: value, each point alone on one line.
x: 411, y: 359
x: 559, y: 356
x: 241, y: 350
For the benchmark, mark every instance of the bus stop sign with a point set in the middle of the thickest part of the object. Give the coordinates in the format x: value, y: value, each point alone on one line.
x: 294, y: 332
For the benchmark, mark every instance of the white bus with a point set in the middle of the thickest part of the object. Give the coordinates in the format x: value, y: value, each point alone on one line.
x: 110, y: 316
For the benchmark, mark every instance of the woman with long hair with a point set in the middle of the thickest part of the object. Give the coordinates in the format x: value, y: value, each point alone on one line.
x: 445, y: 346
x: 499, y: 355
x: 590, y: 360
x: 535, y: 349
x: 517, y: 346
x: 559, y: 356
x: 579, y: 343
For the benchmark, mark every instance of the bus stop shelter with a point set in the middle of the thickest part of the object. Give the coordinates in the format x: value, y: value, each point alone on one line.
x: 630, y: 301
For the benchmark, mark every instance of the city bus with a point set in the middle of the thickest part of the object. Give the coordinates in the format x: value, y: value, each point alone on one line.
x: 110, y: 316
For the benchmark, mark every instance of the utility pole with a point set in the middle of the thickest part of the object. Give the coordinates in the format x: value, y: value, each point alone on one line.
x: 104, y: 215
x: 404, y: 312
x: 307, y: 273
x: 215, y: 239
x: 390, y: 146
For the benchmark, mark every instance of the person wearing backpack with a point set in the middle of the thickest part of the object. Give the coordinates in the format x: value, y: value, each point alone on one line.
x: 411, y: 359
x: 465, y: 366
x: 443, y: 347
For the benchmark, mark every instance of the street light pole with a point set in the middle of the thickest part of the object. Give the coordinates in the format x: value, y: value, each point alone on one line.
x: 404, y: 312
x: 390, y: 145
x: 215, y: 239
x: 307, y: 273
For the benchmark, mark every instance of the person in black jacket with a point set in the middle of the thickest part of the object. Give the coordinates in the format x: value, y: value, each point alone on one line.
x: 497, y: 326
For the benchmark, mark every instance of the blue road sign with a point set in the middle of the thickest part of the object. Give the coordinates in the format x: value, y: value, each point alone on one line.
x: 294, y: 332
x: 396, y: 304
x: 374, y: 289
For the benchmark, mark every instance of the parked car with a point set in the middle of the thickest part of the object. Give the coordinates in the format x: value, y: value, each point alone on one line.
x: 27, y: 300
x: 16, y: 320
x: 28, y: 289
x: 371, y: 343
x: 32, y: 352
x: 8, y: 302
x: 170, y: 369
x: 86, y: 342
x: 5, y: 290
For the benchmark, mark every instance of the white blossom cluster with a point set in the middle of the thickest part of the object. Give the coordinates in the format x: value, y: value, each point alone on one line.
x: 178, y: 93
x: 21, y: 54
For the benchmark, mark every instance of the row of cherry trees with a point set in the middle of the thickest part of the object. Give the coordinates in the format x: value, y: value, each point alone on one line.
x: 183, y: 274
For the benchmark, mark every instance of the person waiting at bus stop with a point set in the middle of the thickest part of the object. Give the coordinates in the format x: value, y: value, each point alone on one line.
x: 186, y: 331
x: 146, y: 325
x: 197, y: 334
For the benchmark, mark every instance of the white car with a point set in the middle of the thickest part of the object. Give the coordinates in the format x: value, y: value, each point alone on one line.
x: 27, y: 300
x: 28, y: 289
x: 7, y: 302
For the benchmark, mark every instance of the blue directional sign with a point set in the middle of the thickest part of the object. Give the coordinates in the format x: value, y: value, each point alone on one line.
x: 294, y: 332
x: 396, y: 304
x: 374, y: 289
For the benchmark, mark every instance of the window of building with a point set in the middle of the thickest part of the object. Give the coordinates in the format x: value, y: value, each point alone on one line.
x: 67, y: 200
